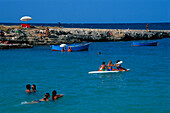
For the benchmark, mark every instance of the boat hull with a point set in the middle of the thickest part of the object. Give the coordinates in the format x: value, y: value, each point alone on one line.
x: 74, y: 47
x: 145, y: 44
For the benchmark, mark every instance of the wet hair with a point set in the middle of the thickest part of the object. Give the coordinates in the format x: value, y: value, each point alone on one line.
x: 47, y: 95
x: 99, y: 53
x: 28, y: 86
x: 118, y: 61
x: 34, y: 88
x: 103, y: 63
x: 54, y: 93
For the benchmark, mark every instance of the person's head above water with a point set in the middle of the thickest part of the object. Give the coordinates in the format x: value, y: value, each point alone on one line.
x: 47, y: 95
x: 54, y: 93
x: 34, y: 87
x: 28, y: 86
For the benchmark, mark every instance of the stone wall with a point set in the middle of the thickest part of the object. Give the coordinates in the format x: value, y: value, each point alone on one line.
x: 38, y: 35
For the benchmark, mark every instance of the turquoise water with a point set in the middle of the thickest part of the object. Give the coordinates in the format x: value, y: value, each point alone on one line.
x: 144, y: 89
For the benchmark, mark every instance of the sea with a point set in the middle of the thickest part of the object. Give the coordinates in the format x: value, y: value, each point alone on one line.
x: 143, y: 89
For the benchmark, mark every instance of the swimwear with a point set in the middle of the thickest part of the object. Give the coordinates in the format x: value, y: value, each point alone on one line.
x: 103, y: 69
x: 109, y: 68
x: 118, y: 66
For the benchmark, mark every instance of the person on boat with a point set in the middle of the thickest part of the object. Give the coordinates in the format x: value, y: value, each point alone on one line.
x: 28, y: 87
x: 46, y: 98
x: 55, y: 96
x: 103, y: 67
x: 33, y: 88
x: 109, y: 66
x: 118, y: 65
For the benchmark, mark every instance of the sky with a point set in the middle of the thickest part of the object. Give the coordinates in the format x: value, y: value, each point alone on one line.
x: 85, y: 11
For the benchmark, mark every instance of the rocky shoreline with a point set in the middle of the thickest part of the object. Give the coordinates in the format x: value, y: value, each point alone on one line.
x: 54, y: 35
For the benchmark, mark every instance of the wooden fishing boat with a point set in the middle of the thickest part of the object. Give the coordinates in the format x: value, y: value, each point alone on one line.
x: 74, y: 47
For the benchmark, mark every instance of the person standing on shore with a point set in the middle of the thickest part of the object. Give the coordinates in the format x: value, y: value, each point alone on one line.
x: 40, y: 34
x: 147, y: 26
x: 59, y: 24
x: 47, y: 32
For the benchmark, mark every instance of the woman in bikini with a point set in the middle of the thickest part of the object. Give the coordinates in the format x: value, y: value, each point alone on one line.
x: 109, y: 66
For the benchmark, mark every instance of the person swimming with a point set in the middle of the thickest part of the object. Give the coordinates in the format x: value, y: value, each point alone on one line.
x: 118, y: 65
x: 46, y: 98
x: 33, y: 88
x: 63, y: 49
x: 28, y: 87
x: 103, y: 67
x: 109, y: 66
x: 55, y: 96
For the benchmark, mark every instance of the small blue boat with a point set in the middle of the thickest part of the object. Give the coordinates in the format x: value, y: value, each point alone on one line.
x: 145, y: 44
x: 74, y: 47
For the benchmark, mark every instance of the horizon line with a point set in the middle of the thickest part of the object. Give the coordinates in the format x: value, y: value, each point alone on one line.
x: 84, y: 23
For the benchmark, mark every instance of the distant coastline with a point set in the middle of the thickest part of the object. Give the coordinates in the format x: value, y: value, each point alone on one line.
x: 45, y: 35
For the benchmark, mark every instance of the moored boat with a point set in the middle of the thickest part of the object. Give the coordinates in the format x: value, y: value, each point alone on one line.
x: 74, y: 47
x: 145, y: 44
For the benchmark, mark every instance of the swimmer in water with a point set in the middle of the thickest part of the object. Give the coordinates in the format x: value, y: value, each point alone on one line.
x: 33, y: 88
x: 55, y: 96
x: 63, y: 49
x: 103, y: 67
x: 46, y: 98
x: 109, y: 66
x: 28, y: 87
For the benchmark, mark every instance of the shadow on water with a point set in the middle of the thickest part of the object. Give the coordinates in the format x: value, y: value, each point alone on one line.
x: 111, y: 81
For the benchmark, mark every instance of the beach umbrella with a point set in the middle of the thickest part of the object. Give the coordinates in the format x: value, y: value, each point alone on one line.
x: 26, y: 18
